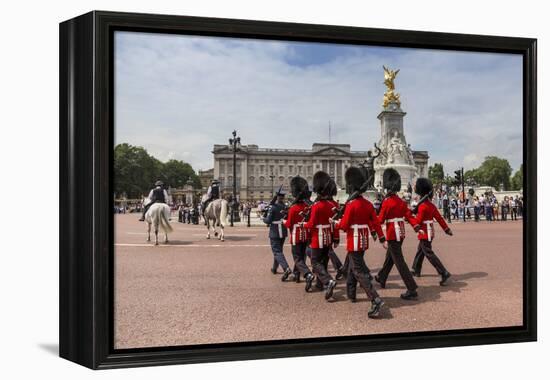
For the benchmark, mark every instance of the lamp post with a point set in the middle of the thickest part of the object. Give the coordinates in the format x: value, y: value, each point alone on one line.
x: 234, y: 142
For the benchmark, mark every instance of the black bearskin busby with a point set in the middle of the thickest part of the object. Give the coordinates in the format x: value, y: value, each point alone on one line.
x: 321, y: 183
x: 299, y: 187
x: 391, y: 180
x: 423, y: 186
x: 354, y: 179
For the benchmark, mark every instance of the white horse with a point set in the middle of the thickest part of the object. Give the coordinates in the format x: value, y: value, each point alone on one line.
x: 216, y: 212
x: 158, y: 215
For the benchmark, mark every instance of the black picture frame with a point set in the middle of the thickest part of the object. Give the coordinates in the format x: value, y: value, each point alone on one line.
x: 86, y: 220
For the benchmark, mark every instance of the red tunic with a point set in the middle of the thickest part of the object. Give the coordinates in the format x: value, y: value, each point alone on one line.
x: 335, y: 230
x: 393, y: 213
x: 298, y: 234
x: 319, y: 225
x: 427, y: 212
x: 358, y: 220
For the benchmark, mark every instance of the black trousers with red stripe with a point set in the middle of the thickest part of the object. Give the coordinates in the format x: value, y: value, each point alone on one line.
x: 299, y: 256
x: 358, y: 272
x: 425, y: 249
x: 394, y: 255
x: 319, y: 264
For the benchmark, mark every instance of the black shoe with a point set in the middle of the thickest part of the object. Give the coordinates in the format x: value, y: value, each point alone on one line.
x: 415, y: 273
x: 309, y: 281
x: 353, y: 300
x: 382, y: 284
x: 375, y: 308
x: 273, y: 270
x: 142, y: 219
x: 286, y: 273
x: 409, y: 295
x: 330, y: 289
x: 297, y: 278
x: 370, y: 276
x: 444, y: 277
x: 340, y: 273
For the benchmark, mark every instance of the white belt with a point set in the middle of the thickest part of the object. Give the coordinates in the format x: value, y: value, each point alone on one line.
x: 356, y: 228
x: 429, y: 228
x: 395, y: 222
x: 280, y: 225
x: 320, y: 228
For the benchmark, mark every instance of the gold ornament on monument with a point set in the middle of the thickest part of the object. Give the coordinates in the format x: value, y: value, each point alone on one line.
x: 390, y: 96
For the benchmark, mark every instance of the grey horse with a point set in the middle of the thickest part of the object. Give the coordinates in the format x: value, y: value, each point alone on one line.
x: 216, y: 213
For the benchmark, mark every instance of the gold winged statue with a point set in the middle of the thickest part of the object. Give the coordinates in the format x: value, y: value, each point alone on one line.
x: 390, y: 96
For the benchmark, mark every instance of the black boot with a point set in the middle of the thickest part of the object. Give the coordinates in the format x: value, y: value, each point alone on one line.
x: 330, y: 289
x: 340, y: 273
x: 382, y: 284
x: 297, y: 277
x: 415, y: 273
x: 286, y: 273
x: 375, y: 308
x: 409, y: 295
x: 444, y: 277
x: 309, y: 281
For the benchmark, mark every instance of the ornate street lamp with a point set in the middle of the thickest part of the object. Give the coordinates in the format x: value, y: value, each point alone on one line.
x: 234, y: 143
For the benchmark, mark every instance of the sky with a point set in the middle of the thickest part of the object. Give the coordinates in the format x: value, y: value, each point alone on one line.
x: 178, y: 95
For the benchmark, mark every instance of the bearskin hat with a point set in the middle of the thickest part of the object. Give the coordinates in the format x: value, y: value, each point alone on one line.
x: 298, y: 186
x: 391, y: 180
x: 321, y: 183
x: 332, y: 188
x: 354, y: 179
x: 423, y: 186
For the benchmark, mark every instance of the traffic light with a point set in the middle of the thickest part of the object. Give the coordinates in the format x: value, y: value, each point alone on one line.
x: 458, y: 177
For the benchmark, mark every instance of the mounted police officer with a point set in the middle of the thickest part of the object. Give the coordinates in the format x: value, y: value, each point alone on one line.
x: 156, y: 195
x: 278, y: 233
x: 212, y: 193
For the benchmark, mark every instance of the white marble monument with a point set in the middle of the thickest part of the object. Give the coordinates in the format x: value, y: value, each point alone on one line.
x: 394, y: 152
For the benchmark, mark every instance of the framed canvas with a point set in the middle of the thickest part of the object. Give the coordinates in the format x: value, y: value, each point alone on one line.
x: 168, y: 123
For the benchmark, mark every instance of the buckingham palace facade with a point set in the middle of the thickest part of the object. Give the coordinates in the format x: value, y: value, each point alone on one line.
x: 261, y: 170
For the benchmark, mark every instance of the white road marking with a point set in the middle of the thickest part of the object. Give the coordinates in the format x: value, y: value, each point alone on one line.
x: 162, y: 245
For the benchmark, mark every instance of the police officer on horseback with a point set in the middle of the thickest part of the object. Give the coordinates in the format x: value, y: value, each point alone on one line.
x: 156, y: 195
x: 212, y: 193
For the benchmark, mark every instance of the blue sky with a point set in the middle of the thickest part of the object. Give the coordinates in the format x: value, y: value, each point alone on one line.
x: 178, y: 95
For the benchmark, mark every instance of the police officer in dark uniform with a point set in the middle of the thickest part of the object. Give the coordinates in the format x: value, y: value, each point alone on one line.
x: 156, y: 195
x: 278, y: 234
x: 212, y: 193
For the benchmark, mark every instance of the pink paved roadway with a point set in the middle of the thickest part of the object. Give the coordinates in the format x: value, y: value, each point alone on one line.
x: 196, y: 291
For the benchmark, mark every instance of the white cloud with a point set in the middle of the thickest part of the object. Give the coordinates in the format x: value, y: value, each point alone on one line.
x: 179, y: 95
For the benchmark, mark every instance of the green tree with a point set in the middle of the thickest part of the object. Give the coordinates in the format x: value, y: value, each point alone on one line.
x: 516, y: 181
x: 134, y: 170
x: 176, y: 174
x: 436, y: 173
x: 494, y: 171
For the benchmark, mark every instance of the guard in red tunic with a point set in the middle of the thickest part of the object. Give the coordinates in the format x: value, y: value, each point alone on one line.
x: 426, y: 212
x: 321, y: 231
x: 393, y: 213
x: 298, y: 234
x: 333, y: 257
x: 358, y: 221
